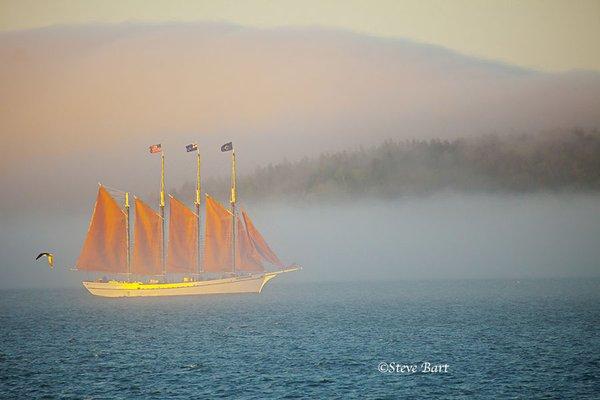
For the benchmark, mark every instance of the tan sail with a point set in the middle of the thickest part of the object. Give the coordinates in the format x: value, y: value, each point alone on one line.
x: 247, y: 257
x: 260, y: 244
x: 105, y: 246
x: 183, y: 238
x: 217, y: 238
x: 147, y: 242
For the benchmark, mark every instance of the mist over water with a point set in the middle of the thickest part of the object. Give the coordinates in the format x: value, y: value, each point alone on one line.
x: 451, y: 236
x: 443, y: 237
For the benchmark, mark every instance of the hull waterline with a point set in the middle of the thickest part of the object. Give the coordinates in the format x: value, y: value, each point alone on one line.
x: 241, y: 284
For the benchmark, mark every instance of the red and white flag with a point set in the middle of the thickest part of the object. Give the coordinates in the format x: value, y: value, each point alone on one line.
x: 155, y: 148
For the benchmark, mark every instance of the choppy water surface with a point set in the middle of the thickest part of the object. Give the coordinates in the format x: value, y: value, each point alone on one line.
x: 527, y: 339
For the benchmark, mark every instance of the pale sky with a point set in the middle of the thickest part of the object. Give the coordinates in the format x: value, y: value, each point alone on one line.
x: 545, y: 35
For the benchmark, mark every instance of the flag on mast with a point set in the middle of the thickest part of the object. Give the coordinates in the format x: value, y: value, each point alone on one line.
x: 227, y: 147
x: 191, y: 147
x: 155, y: 148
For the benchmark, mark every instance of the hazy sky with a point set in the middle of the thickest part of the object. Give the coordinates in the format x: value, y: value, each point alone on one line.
x: 546, y: 35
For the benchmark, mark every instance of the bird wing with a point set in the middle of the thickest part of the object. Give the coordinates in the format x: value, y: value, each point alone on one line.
x: 41, y: 255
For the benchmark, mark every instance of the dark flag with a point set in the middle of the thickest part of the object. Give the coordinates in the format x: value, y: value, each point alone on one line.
x: 191, y: 147
x: 227, y: 147
x: 155, y: 148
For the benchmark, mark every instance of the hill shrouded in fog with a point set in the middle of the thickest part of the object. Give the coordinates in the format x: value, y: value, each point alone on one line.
x: 554, y: 161
x: 81, y: 104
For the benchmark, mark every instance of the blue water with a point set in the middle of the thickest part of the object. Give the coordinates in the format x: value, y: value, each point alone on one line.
x: 508, y: 339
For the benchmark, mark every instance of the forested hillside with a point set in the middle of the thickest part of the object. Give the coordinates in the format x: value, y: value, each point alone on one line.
x: 519, y: 163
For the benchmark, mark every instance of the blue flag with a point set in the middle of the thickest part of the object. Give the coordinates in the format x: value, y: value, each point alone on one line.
x: 191, y: 147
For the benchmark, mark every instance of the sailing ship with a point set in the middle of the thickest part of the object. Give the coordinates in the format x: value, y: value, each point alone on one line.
x: 231, y: 257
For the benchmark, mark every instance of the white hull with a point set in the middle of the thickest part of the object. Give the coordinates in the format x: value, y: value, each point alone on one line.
x: 241, y: 284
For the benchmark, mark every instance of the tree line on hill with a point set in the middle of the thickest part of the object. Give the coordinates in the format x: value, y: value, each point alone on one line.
x: 557, y: 161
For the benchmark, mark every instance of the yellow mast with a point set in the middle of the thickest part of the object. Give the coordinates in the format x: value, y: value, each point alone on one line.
x: 162, y: 209
x: 128, y: 229
x: 232, y: 200
x: 199, y: 268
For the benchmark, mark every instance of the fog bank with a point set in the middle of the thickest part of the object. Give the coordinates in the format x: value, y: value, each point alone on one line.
x: 437, y: 237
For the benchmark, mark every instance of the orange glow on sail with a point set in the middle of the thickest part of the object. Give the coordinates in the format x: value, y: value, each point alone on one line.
x: 246, y: 258
x: 183, y: 238
x: 147, y: 242
x: 217, y: 239
x: 260, y: 244
x: 105, y: 247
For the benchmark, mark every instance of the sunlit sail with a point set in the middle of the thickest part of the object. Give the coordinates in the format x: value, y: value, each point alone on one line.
x: 260, y: 243
x: 182, y: 254
x: 217, y: 238
x: 248, y: 257
x: 105, y: 246
x: 147, y: 242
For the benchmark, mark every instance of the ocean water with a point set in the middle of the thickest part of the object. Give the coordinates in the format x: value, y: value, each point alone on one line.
x: 499, y: 339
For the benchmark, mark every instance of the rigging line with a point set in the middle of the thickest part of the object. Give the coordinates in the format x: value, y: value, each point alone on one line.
x: 114, y: 190
x: 117, y: 194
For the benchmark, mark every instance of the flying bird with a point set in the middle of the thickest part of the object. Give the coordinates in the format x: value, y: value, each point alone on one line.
x: 50, y: 257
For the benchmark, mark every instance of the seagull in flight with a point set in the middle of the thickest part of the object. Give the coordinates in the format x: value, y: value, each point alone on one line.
x: 50, y: 257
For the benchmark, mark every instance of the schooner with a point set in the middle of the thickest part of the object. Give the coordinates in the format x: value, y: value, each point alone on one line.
x: 231, y: 257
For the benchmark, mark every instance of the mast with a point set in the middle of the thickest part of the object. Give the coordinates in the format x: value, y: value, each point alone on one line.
x: 162, y: 210
x: 232, y: 200
x: 199, y: 268
x: 128, y: 229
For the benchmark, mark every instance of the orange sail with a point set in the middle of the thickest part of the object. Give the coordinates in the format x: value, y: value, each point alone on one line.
x: 105, y: 247
x: 260, y: 244
x: 183, y: 238
x: 217, y: 239
x: 147, y: 242
x: 247, y: 257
